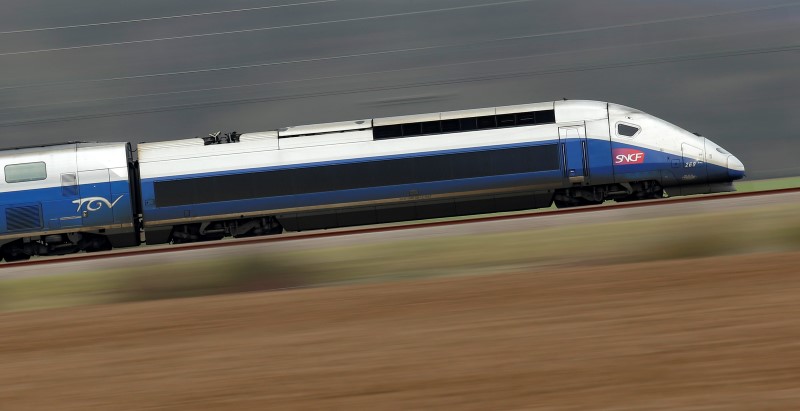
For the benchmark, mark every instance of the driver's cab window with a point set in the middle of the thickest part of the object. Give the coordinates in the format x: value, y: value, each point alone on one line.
x: 627, y: 130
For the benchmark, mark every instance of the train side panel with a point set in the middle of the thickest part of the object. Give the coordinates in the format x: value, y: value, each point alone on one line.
x: 420, y: 166
x: 50, y: 193
x: 356, y: 181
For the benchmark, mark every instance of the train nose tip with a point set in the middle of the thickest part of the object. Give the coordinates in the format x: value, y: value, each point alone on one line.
x: 735, y: 168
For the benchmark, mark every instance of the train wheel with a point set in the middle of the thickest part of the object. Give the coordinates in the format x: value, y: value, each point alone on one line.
x: 657, y: 193
x: 12, y: 253
x: 99, y: 244
x: 563, y: 204
x: 16, y: 257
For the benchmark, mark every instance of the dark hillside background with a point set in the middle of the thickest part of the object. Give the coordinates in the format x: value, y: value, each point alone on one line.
x: 167, y: 69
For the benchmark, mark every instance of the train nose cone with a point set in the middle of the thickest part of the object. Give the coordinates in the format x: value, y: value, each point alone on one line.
x: 735, y: 168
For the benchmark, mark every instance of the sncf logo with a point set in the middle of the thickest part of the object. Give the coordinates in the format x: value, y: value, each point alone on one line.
x: 628, y: 156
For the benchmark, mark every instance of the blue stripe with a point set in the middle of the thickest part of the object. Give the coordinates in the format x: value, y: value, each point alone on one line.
x: 56, y: 206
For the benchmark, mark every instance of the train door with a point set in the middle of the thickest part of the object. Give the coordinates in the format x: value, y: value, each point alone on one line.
x: 573, y: 151
x: 95, y: 203
x: 68, y: 170
x: 694, y: 168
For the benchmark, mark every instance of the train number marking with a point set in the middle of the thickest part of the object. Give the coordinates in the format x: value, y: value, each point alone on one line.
x: 95, y: 203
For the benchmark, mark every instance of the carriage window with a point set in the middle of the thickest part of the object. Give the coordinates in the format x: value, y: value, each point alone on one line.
x: 17, y: 173
x: 450, y: 125
x: 505, y: 120
x: 412, y: 129
x: 545, y: 116
x: 626, y: 130
x: 431, y: 127
x: 526, y: 118
x: 487, y: 122
x: 469, y: 123
x: 392, y: 131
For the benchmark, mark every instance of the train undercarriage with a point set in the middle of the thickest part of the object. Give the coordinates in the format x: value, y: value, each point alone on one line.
x: 67, y: 243
x: 54, y: 244
x: 563, y: 198
x: 619, y: 192
x: 216, y: 230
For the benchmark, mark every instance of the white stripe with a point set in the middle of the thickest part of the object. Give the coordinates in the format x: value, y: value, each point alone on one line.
x: 204, y: 161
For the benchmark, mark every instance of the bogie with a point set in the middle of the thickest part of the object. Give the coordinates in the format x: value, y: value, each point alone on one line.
x: 55, y: 244
x: 593, y: 195
x: 217, y: 230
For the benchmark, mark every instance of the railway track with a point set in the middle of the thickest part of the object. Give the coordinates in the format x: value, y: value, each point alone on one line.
x: 144, y: 250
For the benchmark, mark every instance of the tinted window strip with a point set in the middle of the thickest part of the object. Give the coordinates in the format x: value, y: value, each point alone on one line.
x: 349, y: 176
x: 464, y: 124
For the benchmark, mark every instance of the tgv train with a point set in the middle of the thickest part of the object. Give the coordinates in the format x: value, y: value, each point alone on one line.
x: 71, y: 197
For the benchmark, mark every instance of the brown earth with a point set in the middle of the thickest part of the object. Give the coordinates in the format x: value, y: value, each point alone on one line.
x: 710, y: 334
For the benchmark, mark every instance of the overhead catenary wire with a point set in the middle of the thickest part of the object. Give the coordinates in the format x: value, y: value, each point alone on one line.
x: 369, y: 73
x: 179, y: 16
x: 230, y: 32
x: 633, y: 63
x: 412, y: 49
x: 369, y: 18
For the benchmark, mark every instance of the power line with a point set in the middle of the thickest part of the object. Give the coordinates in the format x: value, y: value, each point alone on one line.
x: 338, y: 77
x: 180, y: 16
x: 413, y: 49
x: 221, y: 33
x: 634, y: 63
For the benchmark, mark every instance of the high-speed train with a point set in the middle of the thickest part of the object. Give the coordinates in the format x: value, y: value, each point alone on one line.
x: 70, y: 197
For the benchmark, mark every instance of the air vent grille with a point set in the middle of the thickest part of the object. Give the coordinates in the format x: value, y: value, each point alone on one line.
x: 23, y: 218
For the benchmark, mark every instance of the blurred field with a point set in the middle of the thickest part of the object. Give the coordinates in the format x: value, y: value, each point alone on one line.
x: 693, y: 306
x: 770, y: 184
x: 711, y: 233
x: 716, y: 333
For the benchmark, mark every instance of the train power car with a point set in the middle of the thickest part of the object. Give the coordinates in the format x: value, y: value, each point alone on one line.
x: 369, y: 171
x: 421, y: 166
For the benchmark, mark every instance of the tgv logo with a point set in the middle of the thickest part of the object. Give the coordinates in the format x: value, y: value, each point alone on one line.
x: 627, y: 156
